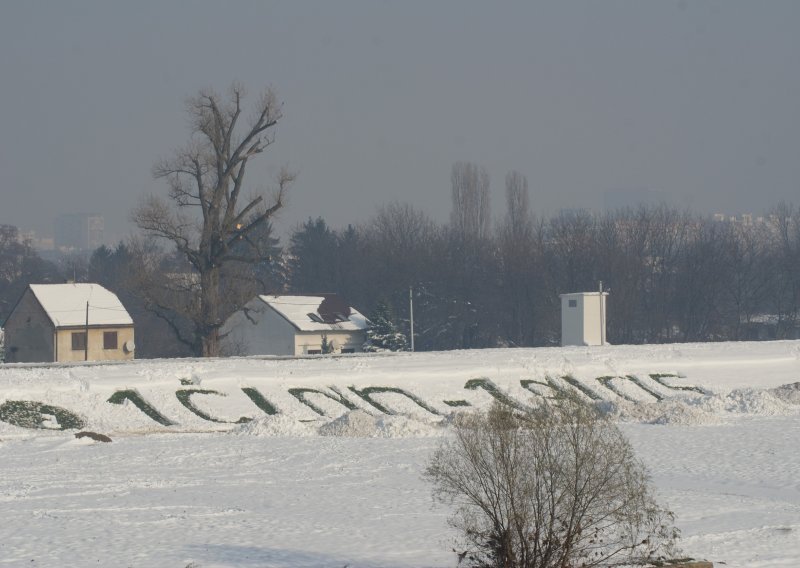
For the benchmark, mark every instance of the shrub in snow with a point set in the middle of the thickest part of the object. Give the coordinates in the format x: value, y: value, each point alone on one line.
x: 557, y: 485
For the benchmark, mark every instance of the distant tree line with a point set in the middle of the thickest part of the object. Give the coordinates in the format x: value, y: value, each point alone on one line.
x: 673, y: 276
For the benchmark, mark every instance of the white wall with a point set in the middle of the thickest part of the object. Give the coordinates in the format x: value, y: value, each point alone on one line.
x: 583, y: 324
x: 272, y: 334
x: 571, y: 319
x: 312, y: 340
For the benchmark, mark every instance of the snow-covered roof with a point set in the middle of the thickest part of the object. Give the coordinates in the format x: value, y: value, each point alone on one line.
x: 65, y: 304
x: 303, y: 312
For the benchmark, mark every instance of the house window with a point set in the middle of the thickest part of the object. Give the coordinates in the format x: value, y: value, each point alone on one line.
x: 109, y: 340
x: 348, y: 350
x: 315, y: 351
x: 79, y: 341
x: 573, y: 303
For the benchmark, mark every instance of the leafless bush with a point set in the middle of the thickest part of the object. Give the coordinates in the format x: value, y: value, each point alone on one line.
x: 558, y: 486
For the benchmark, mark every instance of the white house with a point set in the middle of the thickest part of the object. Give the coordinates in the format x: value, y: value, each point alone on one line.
x: 68, y: 322
x: 583, y: 318
x: 294, y: 325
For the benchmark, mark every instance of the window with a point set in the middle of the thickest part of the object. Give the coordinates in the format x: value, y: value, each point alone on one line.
x: 315, y: 351
x: 349, y: 350
x: 78, y: 340
x: 109, y: 340
x: 573, y: 303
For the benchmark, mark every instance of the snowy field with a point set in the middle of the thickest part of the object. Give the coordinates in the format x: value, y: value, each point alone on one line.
x: 317, y: 462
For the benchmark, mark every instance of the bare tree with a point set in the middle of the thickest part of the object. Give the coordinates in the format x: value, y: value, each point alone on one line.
x: 785, y: 222
x: 518, y: 255
x: 701, y: 282
x: 401, y: 242
x: 517, y: 201
x: 471, y: 208
x: 470, y: 262
x: 572, y: 251
x: 208, y: 216
x: 556, y: 486
x: 747, y: 264
x: 404, y: 249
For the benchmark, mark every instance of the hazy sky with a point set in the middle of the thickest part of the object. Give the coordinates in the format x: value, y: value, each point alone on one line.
x: 697, y: 99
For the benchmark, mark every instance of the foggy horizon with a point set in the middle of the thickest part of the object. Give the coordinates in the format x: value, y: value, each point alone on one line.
x: 695, y: 101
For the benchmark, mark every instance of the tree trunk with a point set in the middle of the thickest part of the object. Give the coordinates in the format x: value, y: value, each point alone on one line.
x: 210, y: 310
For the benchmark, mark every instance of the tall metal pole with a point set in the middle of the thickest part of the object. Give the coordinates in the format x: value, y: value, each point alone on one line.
x: 411, y: 310
x: 602, y: 314
x: 86, y: 338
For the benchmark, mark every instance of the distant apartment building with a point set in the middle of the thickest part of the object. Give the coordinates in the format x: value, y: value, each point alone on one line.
x: 745, y: 219
x: 79, y: 231
x: 37, y: 242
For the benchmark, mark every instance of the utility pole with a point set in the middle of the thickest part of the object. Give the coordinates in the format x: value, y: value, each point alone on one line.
x: 411, y: 310
x: 602, y: 314
x: 86, y: 336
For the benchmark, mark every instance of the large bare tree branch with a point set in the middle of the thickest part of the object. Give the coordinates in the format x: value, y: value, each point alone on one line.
x: 210, y: 174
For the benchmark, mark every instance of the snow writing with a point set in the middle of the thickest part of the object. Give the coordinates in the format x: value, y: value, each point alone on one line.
x: 258, y: 399
x: 301, y: 395
x: 120, y: 397
x: 185, y: 398
x: 31, y: 414
x: 366, y: 395
x: 386, y: 400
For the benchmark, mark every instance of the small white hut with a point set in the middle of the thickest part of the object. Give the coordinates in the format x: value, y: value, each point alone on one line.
x: 583, y: 318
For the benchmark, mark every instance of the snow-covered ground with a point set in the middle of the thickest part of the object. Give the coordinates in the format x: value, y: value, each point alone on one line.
x: 314, y: 462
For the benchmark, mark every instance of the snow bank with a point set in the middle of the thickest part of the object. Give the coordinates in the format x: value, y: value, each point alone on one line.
x: 359, y: 424
x: 708, y: 409
x: 399, y: 394
x: 790, y: 394
x: 275, y: 426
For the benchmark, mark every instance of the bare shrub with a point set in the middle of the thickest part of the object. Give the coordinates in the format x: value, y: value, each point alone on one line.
x: 558, y: 486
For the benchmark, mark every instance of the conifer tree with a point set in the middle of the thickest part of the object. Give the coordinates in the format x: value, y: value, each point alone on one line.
x: 382, y: 333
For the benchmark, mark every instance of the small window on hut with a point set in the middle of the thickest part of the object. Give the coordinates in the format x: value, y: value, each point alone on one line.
x: 109, y: 340
x: 573, y: 303
x: 78, y: 340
